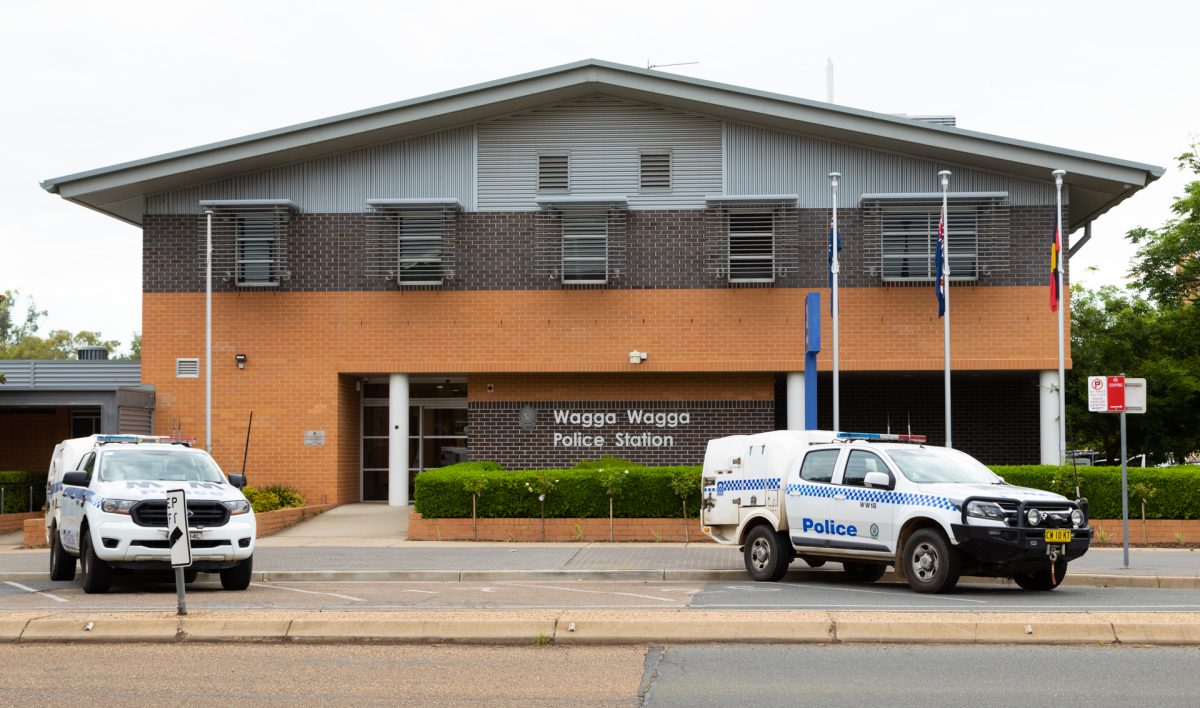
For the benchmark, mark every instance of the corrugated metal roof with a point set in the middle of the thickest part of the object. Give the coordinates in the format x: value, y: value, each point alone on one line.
x: 69, y: 375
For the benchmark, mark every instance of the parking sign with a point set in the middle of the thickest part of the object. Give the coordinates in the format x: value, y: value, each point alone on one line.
x: 177, y: 530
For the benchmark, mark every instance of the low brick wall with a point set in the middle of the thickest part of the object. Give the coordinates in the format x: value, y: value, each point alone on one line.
x: 422, y: 529
x: 16, y: 522
x: 1157, y: 532
x: 268, y: 522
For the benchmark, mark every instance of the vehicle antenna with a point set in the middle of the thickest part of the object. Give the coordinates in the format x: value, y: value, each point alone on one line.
x: 889, y: 423
x: 246, y: 451
x: 1074, y: 465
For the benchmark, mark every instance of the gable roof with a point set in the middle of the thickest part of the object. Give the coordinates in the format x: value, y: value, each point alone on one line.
x: 1097, y: 183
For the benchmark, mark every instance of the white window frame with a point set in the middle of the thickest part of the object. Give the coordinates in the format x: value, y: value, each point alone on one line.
x: 572, y: 219
x: 733, y: 255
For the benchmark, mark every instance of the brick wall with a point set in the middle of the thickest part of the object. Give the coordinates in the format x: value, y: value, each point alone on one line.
x: 544, y: 439
x: 664, y: 249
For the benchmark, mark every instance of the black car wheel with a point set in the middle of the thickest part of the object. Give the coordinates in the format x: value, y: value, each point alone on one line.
x: 97, y: 575
x: 864, y: 572
x: 931, y: 563
x: 766, y: 557
x: 62, y: 564
x: 238, y: 577
x: 1043, y: 580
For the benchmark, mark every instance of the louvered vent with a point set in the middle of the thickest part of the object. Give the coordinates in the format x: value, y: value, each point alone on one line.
x: 249, y: 240
x: 187, y: 368
x: 656, y: 170
x: 412, y: 241
x: 900, y: 238
x: 552, y: 173
x: 752, y: 243
x: 581, y: 246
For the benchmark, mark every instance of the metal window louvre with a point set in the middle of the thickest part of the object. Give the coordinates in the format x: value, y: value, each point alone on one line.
x: 553, y: 173
x: 249, y: 242
x: 900, y: 237
x: 413, y: 243
x: 570, y: 247
x: 655, y: 170
x: 752, y: 242
x: 187, y: 368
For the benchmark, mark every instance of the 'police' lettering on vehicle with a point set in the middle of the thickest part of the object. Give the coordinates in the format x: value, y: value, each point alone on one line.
x: 829, y: 526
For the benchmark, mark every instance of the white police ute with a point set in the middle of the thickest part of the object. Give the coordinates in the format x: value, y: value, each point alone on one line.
x: 106, y: 504
x: 932, y: 513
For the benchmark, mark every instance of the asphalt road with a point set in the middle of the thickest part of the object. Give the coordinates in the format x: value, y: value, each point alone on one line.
x: 135, y: 593
x: 682, y: 675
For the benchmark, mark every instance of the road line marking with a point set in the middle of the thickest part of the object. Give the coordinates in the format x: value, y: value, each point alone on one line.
x: 597, y: 592
x: 309, y: 592
x: 26, y: 588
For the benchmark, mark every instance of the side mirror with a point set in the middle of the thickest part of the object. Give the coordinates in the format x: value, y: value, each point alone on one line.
x: 238, y: 480
x: 877, y: 480
x: 75, y: 479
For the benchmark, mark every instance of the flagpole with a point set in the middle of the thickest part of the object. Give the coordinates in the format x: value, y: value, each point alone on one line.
x: 1062, y: 302
x: 834, y: 269
x: 945, y: 175
x: 208, y: 215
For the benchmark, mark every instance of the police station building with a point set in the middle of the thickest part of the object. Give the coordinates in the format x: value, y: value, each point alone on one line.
x: 592, y: 260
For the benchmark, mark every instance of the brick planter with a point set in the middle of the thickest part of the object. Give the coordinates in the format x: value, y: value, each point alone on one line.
x: 268, y: 522
x: 16, y: 522
x: 422, y: 529
x: 1158, y: 532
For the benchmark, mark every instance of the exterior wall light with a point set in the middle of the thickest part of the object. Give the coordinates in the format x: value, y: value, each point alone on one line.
x: 636, y: 357
x: 241, y: 360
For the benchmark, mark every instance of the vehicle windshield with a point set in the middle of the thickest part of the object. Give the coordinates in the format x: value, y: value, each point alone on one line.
x: 159, y: 466
x: 930, y: 465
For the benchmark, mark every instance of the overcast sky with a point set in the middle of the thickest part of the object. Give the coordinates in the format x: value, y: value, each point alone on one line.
x: 91, y: 84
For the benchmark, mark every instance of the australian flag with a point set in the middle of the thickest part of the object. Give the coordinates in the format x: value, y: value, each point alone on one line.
x: 939, y: 261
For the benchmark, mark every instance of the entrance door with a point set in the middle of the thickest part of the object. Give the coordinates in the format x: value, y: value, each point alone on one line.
x: 437, y: 430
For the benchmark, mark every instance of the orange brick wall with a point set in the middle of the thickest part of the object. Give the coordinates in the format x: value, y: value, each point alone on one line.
x: 28, y: 440
x: 299, y: 343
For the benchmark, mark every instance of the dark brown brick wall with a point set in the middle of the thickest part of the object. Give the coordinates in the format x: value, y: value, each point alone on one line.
x: 497, y: 433
x: 664, y: 249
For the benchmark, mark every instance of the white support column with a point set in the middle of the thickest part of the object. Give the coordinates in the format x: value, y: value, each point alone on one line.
x: 795, y: 401
x: 1048, y: 417
x: 398, y: 440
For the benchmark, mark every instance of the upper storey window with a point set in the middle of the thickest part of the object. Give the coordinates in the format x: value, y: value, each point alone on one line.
x: 412, y: 240
x: 752, y: 239
x: 553, y: 172
x: 249, y: 240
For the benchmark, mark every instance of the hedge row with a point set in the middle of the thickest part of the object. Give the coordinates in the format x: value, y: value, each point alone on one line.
x: 16, y: 487
x: 1171, y: 492
x: 644, y: 492
x: 647, y: 492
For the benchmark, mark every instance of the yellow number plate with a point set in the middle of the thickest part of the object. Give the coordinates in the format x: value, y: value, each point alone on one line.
x: 1058, y: 535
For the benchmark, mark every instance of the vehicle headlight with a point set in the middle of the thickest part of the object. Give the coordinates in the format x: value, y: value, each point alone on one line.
x: 1077, y: 518
x: 985, y: 510
x: 241, y: 506
x: 117, y: 506
x: 1034, y: 517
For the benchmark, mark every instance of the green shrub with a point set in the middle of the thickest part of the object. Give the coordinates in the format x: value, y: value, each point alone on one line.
x: 261, y: 500
x: 1177, y: 496
x: 288, y: 496
x: 645, y: 492
x: 16, y: 487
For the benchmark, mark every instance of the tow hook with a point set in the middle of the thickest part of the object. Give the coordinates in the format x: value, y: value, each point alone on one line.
x: 1053, y: 558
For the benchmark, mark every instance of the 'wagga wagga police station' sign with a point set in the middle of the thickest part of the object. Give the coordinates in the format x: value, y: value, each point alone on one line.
x: 591, y: 421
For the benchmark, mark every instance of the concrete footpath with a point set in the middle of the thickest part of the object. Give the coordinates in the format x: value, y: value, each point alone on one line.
x: 365, y: 543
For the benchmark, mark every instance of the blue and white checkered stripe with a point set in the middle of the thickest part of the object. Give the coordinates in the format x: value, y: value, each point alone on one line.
x: 878, y: 496
x: 745, y: 485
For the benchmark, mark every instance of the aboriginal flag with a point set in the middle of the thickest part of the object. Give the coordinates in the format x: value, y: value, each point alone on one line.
x: 1055, y: 271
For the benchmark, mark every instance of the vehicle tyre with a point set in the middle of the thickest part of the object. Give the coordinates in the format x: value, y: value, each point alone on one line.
x: 864, y: 572
x: 238, y: 577
x: 766, y: 558
x: 62, y: 564
x: 97, y: 575
x: 1040, y: 580
x: 190, y: 575
x: 813, y: 562
x: 931, y: 564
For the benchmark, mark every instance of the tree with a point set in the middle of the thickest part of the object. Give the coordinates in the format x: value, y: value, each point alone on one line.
x: 21, y: 341
x: 1167, y: 265
x: 1114, y: 331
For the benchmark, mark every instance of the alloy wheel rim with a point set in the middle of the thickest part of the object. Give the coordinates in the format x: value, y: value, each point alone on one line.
x: 760, y: 553
x: 925, y: 561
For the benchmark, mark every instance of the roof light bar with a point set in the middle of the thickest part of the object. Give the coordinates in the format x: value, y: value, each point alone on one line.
x: 129, y: 438
x: 882, y: 437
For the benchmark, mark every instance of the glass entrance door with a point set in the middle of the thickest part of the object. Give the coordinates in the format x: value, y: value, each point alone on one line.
x: 437, y: 428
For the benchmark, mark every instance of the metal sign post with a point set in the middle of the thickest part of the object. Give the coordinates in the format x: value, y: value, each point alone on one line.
x: 1118, y: 394
x: 178, y: 541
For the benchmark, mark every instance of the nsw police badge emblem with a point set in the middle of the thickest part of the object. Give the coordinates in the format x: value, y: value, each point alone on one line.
x: 527, y: 418
x: 874, y: 530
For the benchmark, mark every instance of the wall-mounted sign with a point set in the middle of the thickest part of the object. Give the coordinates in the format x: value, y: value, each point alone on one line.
x: 629, y: 428
x: 315, y: 438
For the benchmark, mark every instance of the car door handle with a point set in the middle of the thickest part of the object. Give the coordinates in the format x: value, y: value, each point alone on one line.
x: 840, y: 497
